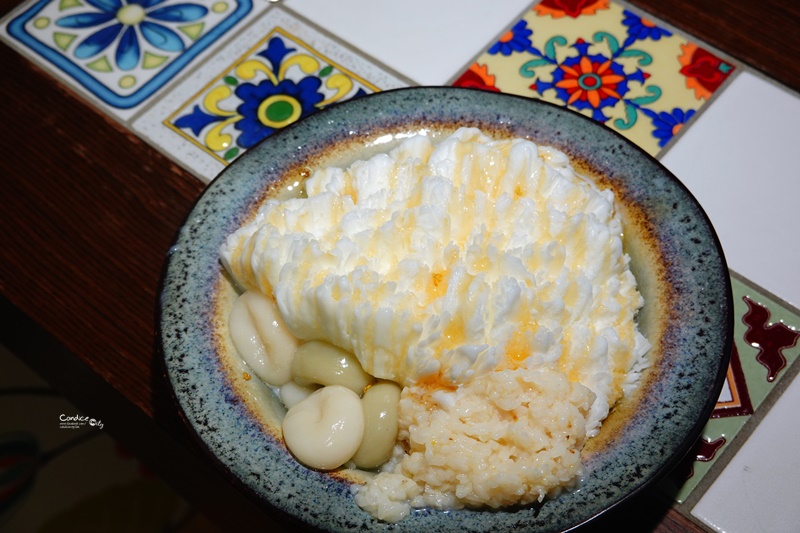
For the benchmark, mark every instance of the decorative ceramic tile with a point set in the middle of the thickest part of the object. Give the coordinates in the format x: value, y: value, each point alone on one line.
x: 766, y: 344
x: 757, y: 491
x: 606, y: 61
x: 278, y: 71
x: 734, y: 400
x: 279, y: 80
x: 122, y: 52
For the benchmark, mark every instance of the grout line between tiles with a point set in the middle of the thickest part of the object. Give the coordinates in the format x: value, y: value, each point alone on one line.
x: 699, y: 113
x: 768, y: 79
x: 754, y: 286
x: 177, y: 80
x: 345, y: 44
x: 485, y: 47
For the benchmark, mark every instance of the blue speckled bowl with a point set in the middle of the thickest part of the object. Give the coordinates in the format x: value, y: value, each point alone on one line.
x: 676, y: 258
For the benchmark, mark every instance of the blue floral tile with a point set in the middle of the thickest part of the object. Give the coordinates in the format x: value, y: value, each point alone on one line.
x: 278, y: 82
x: 122, y: 51
x: 281, y: 69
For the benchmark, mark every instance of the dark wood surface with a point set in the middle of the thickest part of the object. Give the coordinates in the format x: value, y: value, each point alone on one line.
x: 90, y: 210
x: 763, y: 34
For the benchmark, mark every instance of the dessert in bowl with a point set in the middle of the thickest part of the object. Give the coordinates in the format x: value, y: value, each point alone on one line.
x: 668, y: 333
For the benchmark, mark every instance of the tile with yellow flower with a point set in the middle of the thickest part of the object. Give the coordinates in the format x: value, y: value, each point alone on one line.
x: 280, y: 80
x: 279, y: 69
x: 607, y: 61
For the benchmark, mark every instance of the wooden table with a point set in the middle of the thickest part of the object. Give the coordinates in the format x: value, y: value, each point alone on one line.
x: 86, y: 225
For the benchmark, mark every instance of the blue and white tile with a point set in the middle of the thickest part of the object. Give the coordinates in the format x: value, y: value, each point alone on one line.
x: 121, y: 54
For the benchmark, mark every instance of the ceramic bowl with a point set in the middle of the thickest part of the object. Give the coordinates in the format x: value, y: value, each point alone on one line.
x: 676, y: 258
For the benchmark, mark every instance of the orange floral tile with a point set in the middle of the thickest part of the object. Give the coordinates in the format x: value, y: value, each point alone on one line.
x: 604, y: 60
